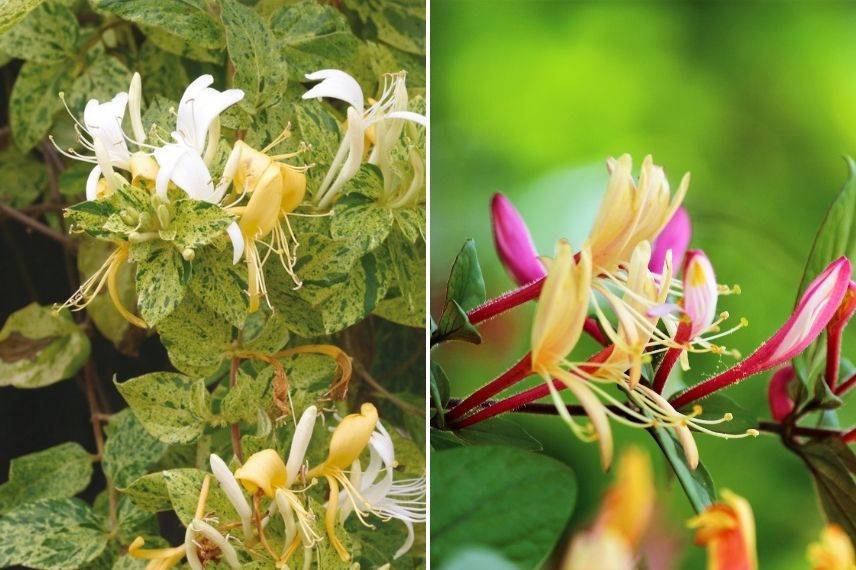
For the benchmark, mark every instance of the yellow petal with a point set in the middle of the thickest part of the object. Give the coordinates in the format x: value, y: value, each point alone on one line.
x: 264, y: 470
x: 627, y: 506
x: 834, y: 551
x: 351, y: 436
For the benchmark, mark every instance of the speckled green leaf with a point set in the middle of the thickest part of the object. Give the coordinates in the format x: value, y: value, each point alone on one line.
x: 361, y: 221
x: 195, y: 337
x: 51, y: 533
x: 103, y: 77
x: 322, y: 263
x: 244, y: 400
x: 358, y: 295
x: 172, y: 407
x: 35, y: 100
x: 259, y: 69
x: 13, y: 11
x: 313, y: 36
x: 399, y: 23
x: 47, y: 35
x: 376, y: 59
x: 179, y: 46
x: 184, y: 485
x: 408, y: 262
x: 265, y: 332
x: 134, y: 521
x: 399, y: 310
x: 411, y: 222
x: 129, y: 450
x: 149, y: 492
x: 72, y: 180
x: 158, y: 119
x: 198, y: 223
x: 22, y: 177
x: 188, y: 20
x: 39, y: 347
x: 300, y: 317
x: 161, y: 280
x: 162, y: 71
x: 315, y: 125
x: 58, y: 472
x: 220, y: 286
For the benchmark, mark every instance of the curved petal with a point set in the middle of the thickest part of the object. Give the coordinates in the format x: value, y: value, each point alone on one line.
x: 187, y: 170
x: 199, y: 106
x: 237, y: 239
x: 336, y: 84
x: 92, y: 183
x: 300, y: 443
x: 408, y: 116
x: 103, y: 121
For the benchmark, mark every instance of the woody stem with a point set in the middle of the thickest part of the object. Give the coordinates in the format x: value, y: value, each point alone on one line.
x: 235, y: 429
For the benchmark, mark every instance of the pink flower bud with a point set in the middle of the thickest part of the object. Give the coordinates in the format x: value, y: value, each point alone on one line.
x: 781, y: 404
x: 514, y: 243
x: 700, y: 291
x: 674, y: 236
x: 815, y: 309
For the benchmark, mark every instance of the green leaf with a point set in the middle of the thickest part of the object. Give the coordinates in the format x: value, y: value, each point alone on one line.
x: 51, y: 533
x: 184, y: 485
x: 440, y: 389
x: 466, y: 283
x: 399, y: 23
x: 195, y: 337
x: 72, y: 180
x: 697, y: 484
x: 132, y: 521
x: 474, y: 488
x: 103, y: 77
x: 162, y: 71
x: 470, y: 558
x: 35, y: 100
x: 149, y: 492
x: 198, y: 223
x: 160, y: 282
x: 454, y: 325
x: 715, y: 406
x: 499, y: 431
x: 47, y: 35
x: 361, y: 221
x: 832, y: 465
x: 129, y: 450
x: 259, y: 70
x: 13, y: 11
x: 322, y: 263
x: 313, y: 36
x: 352, y: 300
x: 172, y: 407
x: 187, y: 21
x: 24, y: 178
x: 39, y: 347
x: 836, y: 237
x: 58, y: 472
x: 220, y: 286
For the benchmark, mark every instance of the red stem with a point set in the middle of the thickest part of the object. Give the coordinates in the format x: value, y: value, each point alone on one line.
x: 535, y: 393
x: 505, y: 302
x: 682, y: 335
x: 833, y: 354
x: 846, y: 386
x: 516, y: 373
x: 850, y: 436
x: 707, y: 387
x: 593, y: 330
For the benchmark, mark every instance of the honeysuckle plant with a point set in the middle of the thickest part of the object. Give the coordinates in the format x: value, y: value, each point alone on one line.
x: 649, y: 299
x: 246, y: 312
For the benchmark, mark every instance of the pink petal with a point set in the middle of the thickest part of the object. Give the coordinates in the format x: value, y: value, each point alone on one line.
x: 674, y: 236
x: 700, y: 291
x: 781, y: 404
x: 514, y: 242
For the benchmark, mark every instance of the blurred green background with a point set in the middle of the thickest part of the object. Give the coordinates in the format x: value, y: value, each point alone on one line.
x: 756, y: 100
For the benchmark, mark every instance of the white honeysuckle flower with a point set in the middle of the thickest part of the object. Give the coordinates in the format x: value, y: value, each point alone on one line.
x: 199, y: 110
x: 300, y: 443
x: 183, y: 167
x: 201, y: 528
x: 233, y: 492
x: 103, y: 122
x: 382, y: 115
x: 403, y: 500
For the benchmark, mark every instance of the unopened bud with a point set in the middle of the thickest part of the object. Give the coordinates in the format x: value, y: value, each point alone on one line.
x: 163, y: 215
x: 188, y: 254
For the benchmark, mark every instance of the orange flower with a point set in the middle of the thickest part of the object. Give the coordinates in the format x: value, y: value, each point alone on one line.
x: 727, y: 529
x: 833, y: 551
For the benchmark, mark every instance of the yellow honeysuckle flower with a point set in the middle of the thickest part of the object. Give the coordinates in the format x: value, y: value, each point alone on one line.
x: 263, y: 470
x: 623, y: 519
x: 349, y: 439
x: 159, y: 558
x: 727, y: 529
x: 632, y: 211
x: 833, y: 551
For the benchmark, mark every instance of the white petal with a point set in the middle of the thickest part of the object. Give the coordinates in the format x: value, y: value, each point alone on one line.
x: 103, y: 121
x: 300, y: 442
x: 92, y: 183
x: 237, y: 238
x: 336, y: 84
x: 408, y: 542
x: 408, y: 116
x: 186, y: 169
x: 199, y: 106
x: 232, y: 490
x: 227, y: 551
x: 167, y: 157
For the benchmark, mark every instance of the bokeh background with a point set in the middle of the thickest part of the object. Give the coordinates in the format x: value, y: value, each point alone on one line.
x: 756, y: 100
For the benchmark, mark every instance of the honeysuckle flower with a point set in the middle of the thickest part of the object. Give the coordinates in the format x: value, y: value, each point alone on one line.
x: 727, y: 529
x: 778, y: 394
x: 198, y: 530
x: 233, y: 492
x: 675, y: 237
x: 390, y: 108
x: 812, y: 314
x: 514, y: 242
x: 403, y: 500
x: 833, y: 551
x: 349, y: 439
x: 198, y: 115
x: 622, y: 521
x: 159, y: 558
x: 631, y: 211
x: 700, y: 292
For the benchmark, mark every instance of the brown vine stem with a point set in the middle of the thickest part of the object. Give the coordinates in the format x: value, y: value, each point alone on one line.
x: 236, y: 430
x: 90, y: 376
x: 38, y: 226
x: 406, y: 407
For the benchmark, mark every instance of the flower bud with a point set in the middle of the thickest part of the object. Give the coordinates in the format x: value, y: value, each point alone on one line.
x: 779, y: 398
x: 514, y: 243
x: 700, y: 291
x: 675, y: 236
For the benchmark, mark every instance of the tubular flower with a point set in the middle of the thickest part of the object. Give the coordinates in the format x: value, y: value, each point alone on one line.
x: 631, y: 211
x: 381, y: 123
x: 350, y: 438
x: 780, y: 401
x: 833, y: 551
x: 727, y: 529
x: 403, y: 500
x: 623, y: 519
x: 675, y: 237
x: 812, y: 314
x: 513, y: 242
x: 199, y: 530
x: 275, y: 190
x: 233, y: 492
x: 159, y: 558
x: 101, y: 133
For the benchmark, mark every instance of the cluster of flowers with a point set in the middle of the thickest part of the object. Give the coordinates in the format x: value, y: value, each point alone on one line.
x: 726, y: 528
x: 634, y: 264
x: 266, y: 477
x: 264, y: 190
